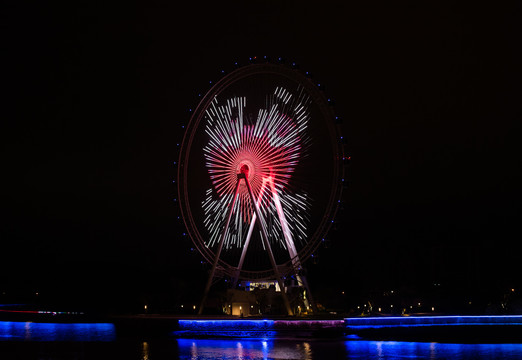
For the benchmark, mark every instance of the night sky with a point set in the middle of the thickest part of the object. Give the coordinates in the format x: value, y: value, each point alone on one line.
x: 94, y: 95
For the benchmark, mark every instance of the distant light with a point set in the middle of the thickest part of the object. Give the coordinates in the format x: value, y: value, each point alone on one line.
x: 419, y: 304
x: 342, y: 292
x: 512, y: 290
x: 379, y: 309
x: 210, y: 82
x: 391, y: 305
x: 432, y: 308
x: 181, y: 305
x: 145, y: 307
x: 358, y: 307
x: 194, y: 307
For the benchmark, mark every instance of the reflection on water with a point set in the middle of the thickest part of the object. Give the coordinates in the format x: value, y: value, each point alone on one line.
x: 246, y: 350
x: 145, y: 351
x: 29, y: 331
x: 415, y: 350
x: 339, y: 349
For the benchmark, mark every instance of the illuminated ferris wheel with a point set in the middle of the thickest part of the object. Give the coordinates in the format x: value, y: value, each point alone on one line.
x: 260, y: 174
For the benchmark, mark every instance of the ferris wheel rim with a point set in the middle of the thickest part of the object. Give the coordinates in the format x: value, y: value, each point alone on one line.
x: 335, y: 194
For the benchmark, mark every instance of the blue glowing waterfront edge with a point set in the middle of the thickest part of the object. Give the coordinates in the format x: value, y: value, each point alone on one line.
x: 32, y: 331
x: 411, y: 321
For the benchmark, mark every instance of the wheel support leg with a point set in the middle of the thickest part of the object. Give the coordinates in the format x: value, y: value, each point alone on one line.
x: 264, y: 237
x: 249, y: 236
x: 218, y: 253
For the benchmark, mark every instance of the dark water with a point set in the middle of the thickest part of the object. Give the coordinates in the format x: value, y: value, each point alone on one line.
x: 19, y: 340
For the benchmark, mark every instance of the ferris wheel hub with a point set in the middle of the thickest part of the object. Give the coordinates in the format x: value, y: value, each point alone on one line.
x: 245, y: 169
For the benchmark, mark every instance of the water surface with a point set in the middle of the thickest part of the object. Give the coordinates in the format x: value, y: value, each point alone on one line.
x: 341, y: 349
x: 27, y: 340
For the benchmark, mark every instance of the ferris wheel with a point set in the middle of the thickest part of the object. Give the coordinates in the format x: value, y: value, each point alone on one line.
x: 260, y: 174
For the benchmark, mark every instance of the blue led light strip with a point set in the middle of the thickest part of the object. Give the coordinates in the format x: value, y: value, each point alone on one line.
x: 408, y: 321
x: 226, y: 325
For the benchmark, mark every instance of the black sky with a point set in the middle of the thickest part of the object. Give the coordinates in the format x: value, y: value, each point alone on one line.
x: 94, y: 95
